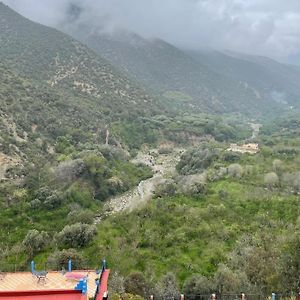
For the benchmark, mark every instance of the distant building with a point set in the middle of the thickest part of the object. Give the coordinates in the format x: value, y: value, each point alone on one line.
x: 251, y: 148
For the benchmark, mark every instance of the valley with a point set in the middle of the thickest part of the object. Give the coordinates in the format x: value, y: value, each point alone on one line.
x: 178, y: 166
x: 163, y: 167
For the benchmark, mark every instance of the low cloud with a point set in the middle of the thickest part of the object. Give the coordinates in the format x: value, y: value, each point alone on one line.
x: 264, y: 27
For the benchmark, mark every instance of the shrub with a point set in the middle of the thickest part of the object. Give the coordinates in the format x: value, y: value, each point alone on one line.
x: 278, y: 166
x: 76, y: 235
x: 271, y: 179
x: 136, y: 284
x: 69, y: 170
x: 197, y: 160
x: 231, y: 157
x: 59, y: 259
x: 198, y: 284
x: 35, y: 204
x: 116, y: 284
x: 293, y: 180
x: 53, y: 201
x: 167, y: 287
x: 35, y: 241
x: 84, y: 216
x: 235, y: 170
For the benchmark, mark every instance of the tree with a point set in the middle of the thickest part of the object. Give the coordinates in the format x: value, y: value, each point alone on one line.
x: 35, y: 241
x: 235, y: 170
x: 271, y: 179
x: 116, y: 284
x: 198, y: 285
x: 227, y: 281
x: 278, y: 166
x: 59, y: 259
x: 136, y: 284
x: 167, y: 287
x: 68, y: 170
x: 76, y: 235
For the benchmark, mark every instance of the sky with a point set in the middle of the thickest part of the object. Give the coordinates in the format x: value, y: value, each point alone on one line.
x: 262, y: 27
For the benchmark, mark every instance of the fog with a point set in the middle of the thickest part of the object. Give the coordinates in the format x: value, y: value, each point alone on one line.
x: 263, y: 27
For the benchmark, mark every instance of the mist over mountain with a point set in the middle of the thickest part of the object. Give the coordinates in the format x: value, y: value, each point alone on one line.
x: 260, y: 27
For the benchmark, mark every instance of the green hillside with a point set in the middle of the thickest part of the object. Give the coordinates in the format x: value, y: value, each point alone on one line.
x: 67, y: 67
x: 188, y: 81
x: 80, y: 139
x: 271, y: 80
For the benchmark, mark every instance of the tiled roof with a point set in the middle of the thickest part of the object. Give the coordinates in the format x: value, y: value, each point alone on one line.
x: 26, y: 281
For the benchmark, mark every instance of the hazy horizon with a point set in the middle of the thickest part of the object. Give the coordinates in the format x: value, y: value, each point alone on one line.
x: 260, y: 27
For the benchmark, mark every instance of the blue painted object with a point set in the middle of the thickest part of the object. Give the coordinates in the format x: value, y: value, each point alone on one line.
x: 82, y: 286
x: 32, y: 267
x: 273, y: 296
x: 70, y: 265
x: 104, y: 264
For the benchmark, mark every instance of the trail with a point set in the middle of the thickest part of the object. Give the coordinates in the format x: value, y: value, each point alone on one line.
x: 163, y: 166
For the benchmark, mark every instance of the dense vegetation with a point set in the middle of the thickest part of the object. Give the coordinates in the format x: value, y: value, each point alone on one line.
x: 199, y: 81
x: 70, y: 124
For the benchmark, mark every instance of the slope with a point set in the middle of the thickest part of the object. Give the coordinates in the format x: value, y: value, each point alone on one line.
x: 173, y: 73
x: 268, y: 78
x: 68, y: 68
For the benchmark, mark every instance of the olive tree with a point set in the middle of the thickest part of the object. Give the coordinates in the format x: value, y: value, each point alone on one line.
x: 76, y: 235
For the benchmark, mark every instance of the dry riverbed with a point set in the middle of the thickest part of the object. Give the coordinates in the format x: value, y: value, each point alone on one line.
x: 163, y: 166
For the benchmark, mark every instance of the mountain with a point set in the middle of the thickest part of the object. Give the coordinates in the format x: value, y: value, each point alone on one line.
x: 190, y: 80
x: 63, y: 66
x: 53, y: 86
x: 269, y: 79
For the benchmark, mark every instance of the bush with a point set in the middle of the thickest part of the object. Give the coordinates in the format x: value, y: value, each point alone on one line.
x: 197, y: 285
x: 85, y: 216
x: 168, y: 188
x: 231, y: 157
x: 271, y: 179
x: 35, y: 204
x: 136, y: 284
x: 293, y: 180
x: 35, y: 241
x: 235, y: 170
x: 69, y: 170
x: 197, y: 160
x: 76, y: 235
x: 53, y: 201
x: 278, y: 166
x: 59, y: 259
x: 167, y: 287
x: 116, y: 284
x: 193, y: 185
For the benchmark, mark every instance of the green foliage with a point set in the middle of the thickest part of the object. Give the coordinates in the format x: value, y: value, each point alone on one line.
x: 167, y: 287
x: 198, y: 285
x: 35, y: 241
x: 85, y: 216
x: 197, y: 160
x: 59, y: 259
x: 76, y: 235
x: 136, y: 284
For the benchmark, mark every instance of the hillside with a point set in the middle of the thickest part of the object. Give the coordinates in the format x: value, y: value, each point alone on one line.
x: 186, y: 79
x: 54, y: 88
x: 68, y: 68
x: 86, y: 142
x: 269, y: 79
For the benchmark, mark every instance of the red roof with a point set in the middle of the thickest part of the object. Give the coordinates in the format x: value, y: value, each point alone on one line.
x: 44, y: 295
x: 103, y: 284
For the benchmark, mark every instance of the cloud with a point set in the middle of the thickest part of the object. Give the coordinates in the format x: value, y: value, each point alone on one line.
x: 265, y: 27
